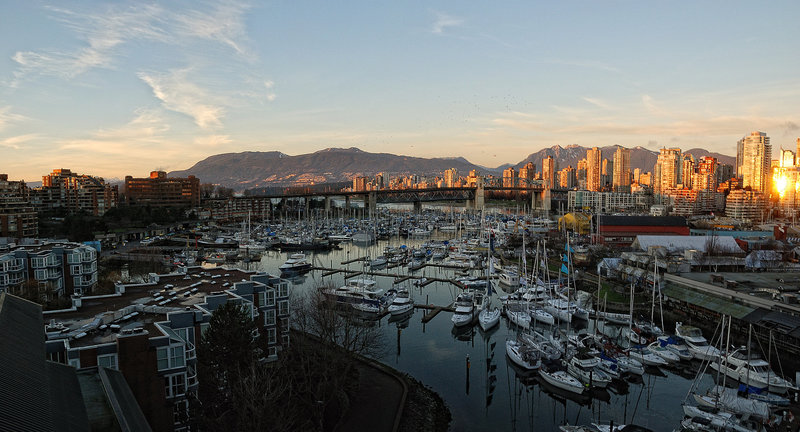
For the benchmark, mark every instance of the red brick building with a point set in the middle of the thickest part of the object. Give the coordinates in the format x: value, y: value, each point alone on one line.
x: 621, y: 231
x: 160, y: 191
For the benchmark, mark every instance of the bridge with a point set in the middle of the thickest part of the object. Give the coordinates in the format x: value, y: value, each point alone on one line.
x: 473, y: 196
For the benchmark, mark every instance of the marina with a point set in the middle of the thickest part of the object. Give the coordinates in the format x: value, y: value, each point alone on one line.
x: 469, y: 367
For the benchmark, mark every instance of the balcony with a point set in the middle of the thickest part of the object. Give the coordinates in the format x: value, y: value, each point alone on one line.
x: 87, y: 257
x: 191, y: 352
x: 191, y: 377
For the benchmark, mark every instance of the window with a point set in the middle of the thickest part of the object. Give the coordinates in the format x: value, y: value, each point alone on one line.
x: 175, y: 385
x: 76, y: 269
x: 271, y: 336
x: 269, y: 317
x: 73, y: 258
x: 284, y: 325
x: 204, y: 328
x: 40, y: 274
x: 162, y: 358
x: 272, y: 352
x: 185, y: 334
x: 107, y: 361
x: 283, y: 307
x: 270, y: 298
x: 37, y: 262
x: 262, y: 298
x: 285, y: 340
x: 176, y: 356
x: 283, y: 290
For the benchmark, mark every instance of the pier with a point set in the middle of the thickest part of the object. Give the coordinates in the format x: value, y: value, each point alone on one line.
x: 433, y: 310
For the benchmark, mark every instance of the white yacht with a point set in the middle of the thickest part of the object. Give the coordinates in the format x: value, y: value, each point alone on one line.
x: 465, y: 309
x: 402, y: 303
x: 361, y: 292
x: 698, y: 345
x: 295, y: 264
x: 584, y: 368
x: 752, y: 370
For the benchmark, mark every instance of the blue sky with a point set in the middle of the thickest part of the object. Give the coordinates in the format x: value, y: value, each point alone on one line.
x: 123, y: 88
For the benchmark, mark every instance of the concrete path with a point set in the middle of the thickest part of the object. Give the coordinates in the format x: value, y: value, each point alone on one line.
x: 378, y: 404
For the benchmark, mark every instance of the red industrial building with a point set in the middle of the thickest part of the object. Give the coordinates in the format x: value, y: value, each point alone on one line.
x: 621, y: 231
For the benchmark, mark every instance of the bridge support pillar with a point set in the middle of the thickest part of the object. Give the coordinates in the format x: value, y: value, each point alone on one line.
x: 417, y: 206
x: 308, y: 208
x: 327, y: 206
x: 478, y: 202
x: 347, y: 202
x: 370, y: 203
x: 540, y: 200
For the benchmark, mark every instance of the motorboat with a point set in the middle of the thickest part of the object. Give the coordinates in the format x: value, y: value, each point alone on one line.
x: 622, y: 363
x: 698, y: 345
x: 523, y: 355
x: 362, y: 292
x: 402, y: 303
x: 584, y: 368
x: 751, y: 370
x: 509, y: 278
x: 465, y: 309
x: 296, y: 263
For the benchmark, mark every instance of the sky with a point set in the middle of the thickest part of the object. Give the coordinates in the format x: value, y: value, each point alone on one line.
x: 126, y: 87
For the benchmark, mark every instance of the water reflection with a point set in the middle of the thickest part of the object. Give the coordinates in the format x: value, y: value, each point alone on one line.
x: 436, y: 354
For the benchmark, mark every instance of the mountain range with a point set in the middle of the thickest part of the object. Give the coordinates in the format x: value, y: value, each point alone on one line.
x: 249, y: 170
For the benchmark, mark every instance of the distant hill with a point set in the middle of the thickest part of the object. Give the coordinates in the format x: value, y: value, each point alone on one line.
x: 721, y: 158
x: 259, y: 170
x: 248, y: 170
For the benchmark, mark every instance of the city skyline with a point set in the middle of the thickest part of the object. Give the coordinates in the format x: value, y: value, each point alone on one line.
x: 127, y: 88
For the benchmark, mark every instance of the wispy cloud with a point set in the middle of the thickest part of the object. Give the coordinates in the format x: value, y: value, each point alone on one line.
x: 146, y: 130
x: 8, y: 118
x: 178, y: 94
x: 598, y: 103
x: 212, y: 141
x: 223, y: 24
x: 103, y: 33
x: 444, y: 21
x: 15, y: 142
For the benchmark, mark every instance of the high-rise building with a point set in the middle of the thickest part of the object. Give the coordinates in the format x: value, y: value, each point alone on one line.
x: 450, y: 177
x: 753, y: 160
x: 527, y: 174
x: 567, y: 178
x: 622, y: 170
x: 593, y: 169
x: 606, y: 174
x: 787, y: 159
x: 509, y: 177
x: 549, y: 172
x: 359, y: 184
x: 687, y: 170
x: 667, y: 171
x: 705, y: 176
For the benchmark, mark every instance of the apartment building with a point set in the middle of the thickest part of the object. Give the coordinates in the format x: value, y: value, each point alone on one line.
x: 608, y: 202
x: 64, y: 189
x: 18, y: 218
x: 158, y: 190
x: 58, y: 269
x: 150, y: 331
x: 746, y: 205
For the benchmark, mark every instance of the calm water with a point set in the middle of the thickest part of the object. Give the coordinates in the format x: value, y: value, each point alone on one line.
x: 490, y: 394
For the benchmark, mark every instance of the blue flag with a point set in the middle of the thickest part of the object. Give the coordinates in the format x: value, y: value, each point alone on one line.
x: 564, y: 269
x: 565, y: 258
x: 568, y: 248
